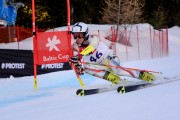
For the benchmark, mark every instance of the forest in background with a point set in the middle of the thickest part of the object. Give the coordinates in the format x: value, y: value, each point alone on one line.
x: 53, y: 13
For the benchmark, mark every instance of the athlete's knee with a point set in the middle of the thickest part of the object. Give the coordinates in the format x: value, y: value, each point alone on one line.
x: 114, y: 59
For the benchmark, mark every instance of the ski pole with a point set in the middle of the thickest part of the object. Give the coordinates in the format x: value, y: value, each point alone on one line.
x: 79, y: 78
x: 123, y: 68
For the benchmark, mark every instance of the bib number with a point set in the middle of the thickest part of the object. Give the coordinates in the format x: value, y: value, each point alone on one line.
x: 96, y: 57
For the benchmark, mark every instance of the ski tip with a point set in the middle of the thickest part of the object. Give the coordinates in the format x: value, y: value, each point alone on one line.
x: 121, y: 90
x: 83, y: 92
x: 80, y: 92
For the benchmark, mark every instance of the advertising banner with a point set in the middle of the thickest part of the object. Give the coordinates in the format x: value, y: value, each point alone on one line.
x: 52, y: 47
x: 19, y: 63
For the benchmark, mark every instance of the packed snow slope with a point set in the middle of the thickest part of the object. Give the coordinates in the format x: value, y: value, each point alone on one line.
x: 55, y: 98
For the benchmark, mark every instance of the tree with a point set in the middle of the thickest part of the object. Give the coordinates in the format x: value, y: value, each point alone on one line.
x: 25, y: 15
x: 86, y: 11
x: 159, y: 18
x: 130, y: 11
x: 53, y: 13
x: 161, y: 13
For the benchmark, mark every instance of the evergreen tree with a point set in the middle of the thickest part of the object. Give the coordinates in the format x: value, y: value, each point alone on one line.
x: 53, y: 13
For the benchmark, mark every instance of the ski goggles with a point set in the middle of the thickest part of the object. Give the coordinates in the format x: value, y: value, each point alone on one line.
x: 78, y: 35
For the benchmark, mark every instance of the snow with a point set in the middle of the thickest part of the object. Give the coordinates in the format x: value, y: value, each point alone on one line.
x: 55, y: 98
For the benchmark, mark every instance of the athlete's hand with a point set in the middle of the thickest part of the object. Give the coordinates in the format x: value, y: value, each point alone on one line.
x: 74, y: 60
x: 79, y: 69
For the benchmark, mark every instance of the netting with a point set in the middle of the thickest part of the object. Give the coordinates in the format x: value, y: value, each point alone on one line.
x: 15, y: 34
x: 135, y: 43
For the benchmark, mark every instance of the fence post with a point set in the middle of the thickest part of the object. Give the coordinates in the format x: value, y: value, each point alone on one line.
x: 167, y: 47
x: 138, y: 42
x: 126, y: 43
x: 115, y: 40
x: 162, y: 43
x: 152, y: 40
x: 17, y: 35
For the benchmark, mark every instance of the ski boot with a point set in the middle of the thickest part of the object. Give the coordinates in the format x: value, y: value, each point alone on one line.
x: 114, y: 79
x: 146, y: 76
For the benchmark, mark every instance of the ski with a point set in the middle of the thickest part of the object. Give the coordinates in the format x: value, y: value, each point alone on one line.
x: 85, y: 92
x: 82, y: 92
x: 126, y: 87
x: 131, y: 88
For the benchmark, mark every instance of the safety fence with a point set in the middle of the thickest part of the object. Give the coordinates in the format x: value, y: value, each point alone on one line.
x: 136, y: 43
x: 16, y: 33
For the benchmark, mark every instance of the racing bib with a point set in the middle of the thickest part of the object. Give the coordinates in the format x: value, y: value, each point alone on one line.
x: 99, y: 55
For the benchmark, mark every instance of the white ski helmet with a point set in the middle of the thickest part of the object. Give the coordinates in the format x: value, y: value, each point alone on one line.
x: 80, y: 27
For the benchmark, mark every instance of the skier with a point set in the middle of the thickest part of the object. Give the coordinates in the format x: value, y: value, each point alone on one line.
x: 96, y: 56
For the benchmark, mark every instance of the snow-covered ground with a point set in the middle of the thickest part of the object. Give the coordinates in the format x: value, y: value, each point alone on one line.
x: 55, y: 98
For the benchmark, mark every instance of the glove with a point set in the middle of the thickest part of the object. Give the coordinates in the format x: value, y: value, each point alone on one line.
x: 79, y: 69
x: 74, y: 60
